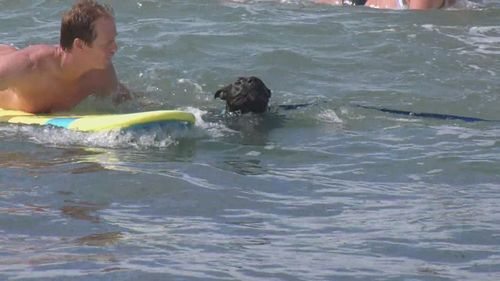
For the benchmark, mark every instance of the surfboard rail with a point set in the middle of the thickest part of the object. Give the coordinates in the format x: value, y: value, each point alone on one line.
x: 98, y: 122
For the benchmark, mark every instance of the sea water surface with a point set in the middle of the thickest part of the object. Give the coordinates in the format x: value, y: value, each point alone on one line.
x: 331, y: 191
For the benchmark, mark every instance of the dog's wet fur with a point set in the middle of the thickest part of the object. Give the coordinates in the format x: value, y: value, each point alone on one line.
x: 245, y: 95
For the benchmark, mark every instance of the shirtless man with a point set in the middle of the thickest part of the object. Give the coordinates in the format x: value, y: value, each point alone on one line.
x: 393, y: 4
x: 45, y: 78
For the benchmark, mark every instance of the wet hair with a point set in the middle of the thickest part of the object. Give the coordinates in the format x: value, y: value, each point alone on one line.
x: 79, y: 22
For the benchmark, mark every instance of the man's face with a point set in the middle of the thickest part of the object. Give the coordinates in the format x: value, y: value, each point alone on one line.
x: 104, y: 46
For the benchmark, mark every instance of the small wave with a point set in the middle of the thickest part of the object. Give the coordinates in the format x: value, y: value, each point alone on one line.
x: 483, y: 39
x: 155, y: 137
x: 329, y: 116
x: 475, y: 134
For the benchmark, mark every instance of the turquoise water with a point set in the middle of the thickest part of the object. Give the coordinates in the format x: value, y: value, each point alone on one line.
x: 328, y: 192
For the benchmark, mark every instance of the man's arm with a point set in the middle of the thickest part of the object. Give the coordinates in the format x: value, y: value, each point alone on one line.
x: 333, y: 2
x: 104, y: 83
x: 122, y: 94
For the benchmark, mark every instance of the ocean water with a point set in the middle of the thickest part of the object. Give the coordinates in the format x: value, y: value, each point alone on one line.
x: 331, y: 191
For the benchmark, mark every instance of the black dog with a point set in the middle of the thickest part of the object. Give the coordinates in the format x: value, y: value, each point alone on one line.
x: 250, y: 94
x: 247, y: 94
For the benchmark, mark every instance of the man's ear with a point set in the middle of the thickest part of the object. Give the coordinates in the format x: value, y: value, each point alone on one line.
x: 78, y: 44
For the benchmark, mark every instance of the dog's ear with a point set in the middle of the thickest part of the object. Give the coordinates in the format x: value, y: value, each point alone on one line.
x: 219, y: 94
x: 223, y: 92
x: 266, y: 89
x: 257, y: 82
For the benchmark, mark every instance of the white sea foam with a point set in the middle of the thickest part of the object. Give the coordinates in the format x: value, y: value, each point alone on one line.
x: 483, y: 39
x: 329, y: 116
x: 156, y: 136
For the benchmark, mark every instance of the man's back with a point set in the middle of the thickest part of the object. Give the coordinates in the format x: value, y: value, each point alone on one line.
x: 34, y: 82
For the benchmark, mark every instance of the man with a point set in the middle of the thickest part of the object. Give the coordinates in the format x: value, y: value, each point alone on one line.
x: 45, y: 78
x: 393, y: 4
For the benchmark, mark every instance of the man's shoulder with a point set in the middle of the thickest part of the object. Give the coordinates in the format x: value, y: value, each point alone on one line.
x: 38, y: 52
x: 41, y: 48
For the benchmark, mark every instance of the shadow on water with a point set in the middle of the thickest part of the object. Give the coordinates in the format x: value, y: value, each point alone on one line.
x: 12, y: 156
x: 99, y: 239
x: 254, y: 129
x: 246, y: 167
x: 82, y: 210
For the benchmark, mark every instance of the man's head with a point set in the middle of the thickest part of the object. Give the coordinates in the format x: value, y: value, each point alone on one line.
x: 88, y: 31
x: 246, y: 94
x: 80, y: 22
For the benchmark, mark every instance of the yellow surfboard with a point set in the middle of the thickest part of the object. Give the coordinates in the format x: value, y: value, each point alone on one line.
x: 104, y: 122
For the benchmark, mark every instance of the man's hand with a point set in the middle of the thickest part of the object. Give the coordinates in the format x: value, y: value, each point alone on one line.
x: 122, y: 94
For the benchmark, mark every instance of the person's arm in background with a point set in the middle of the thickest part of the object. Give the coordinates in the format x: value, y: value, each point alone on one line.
x: 426, y: 4
x: 331, y: 2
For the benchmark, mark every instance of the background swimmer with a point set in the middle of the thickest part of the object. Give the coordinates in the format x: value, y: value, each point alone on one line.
x: 393, y: 4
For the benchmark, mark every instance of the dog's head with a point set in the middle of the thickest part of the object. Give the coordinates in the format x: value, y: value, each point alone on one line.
x: 247, y: 94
